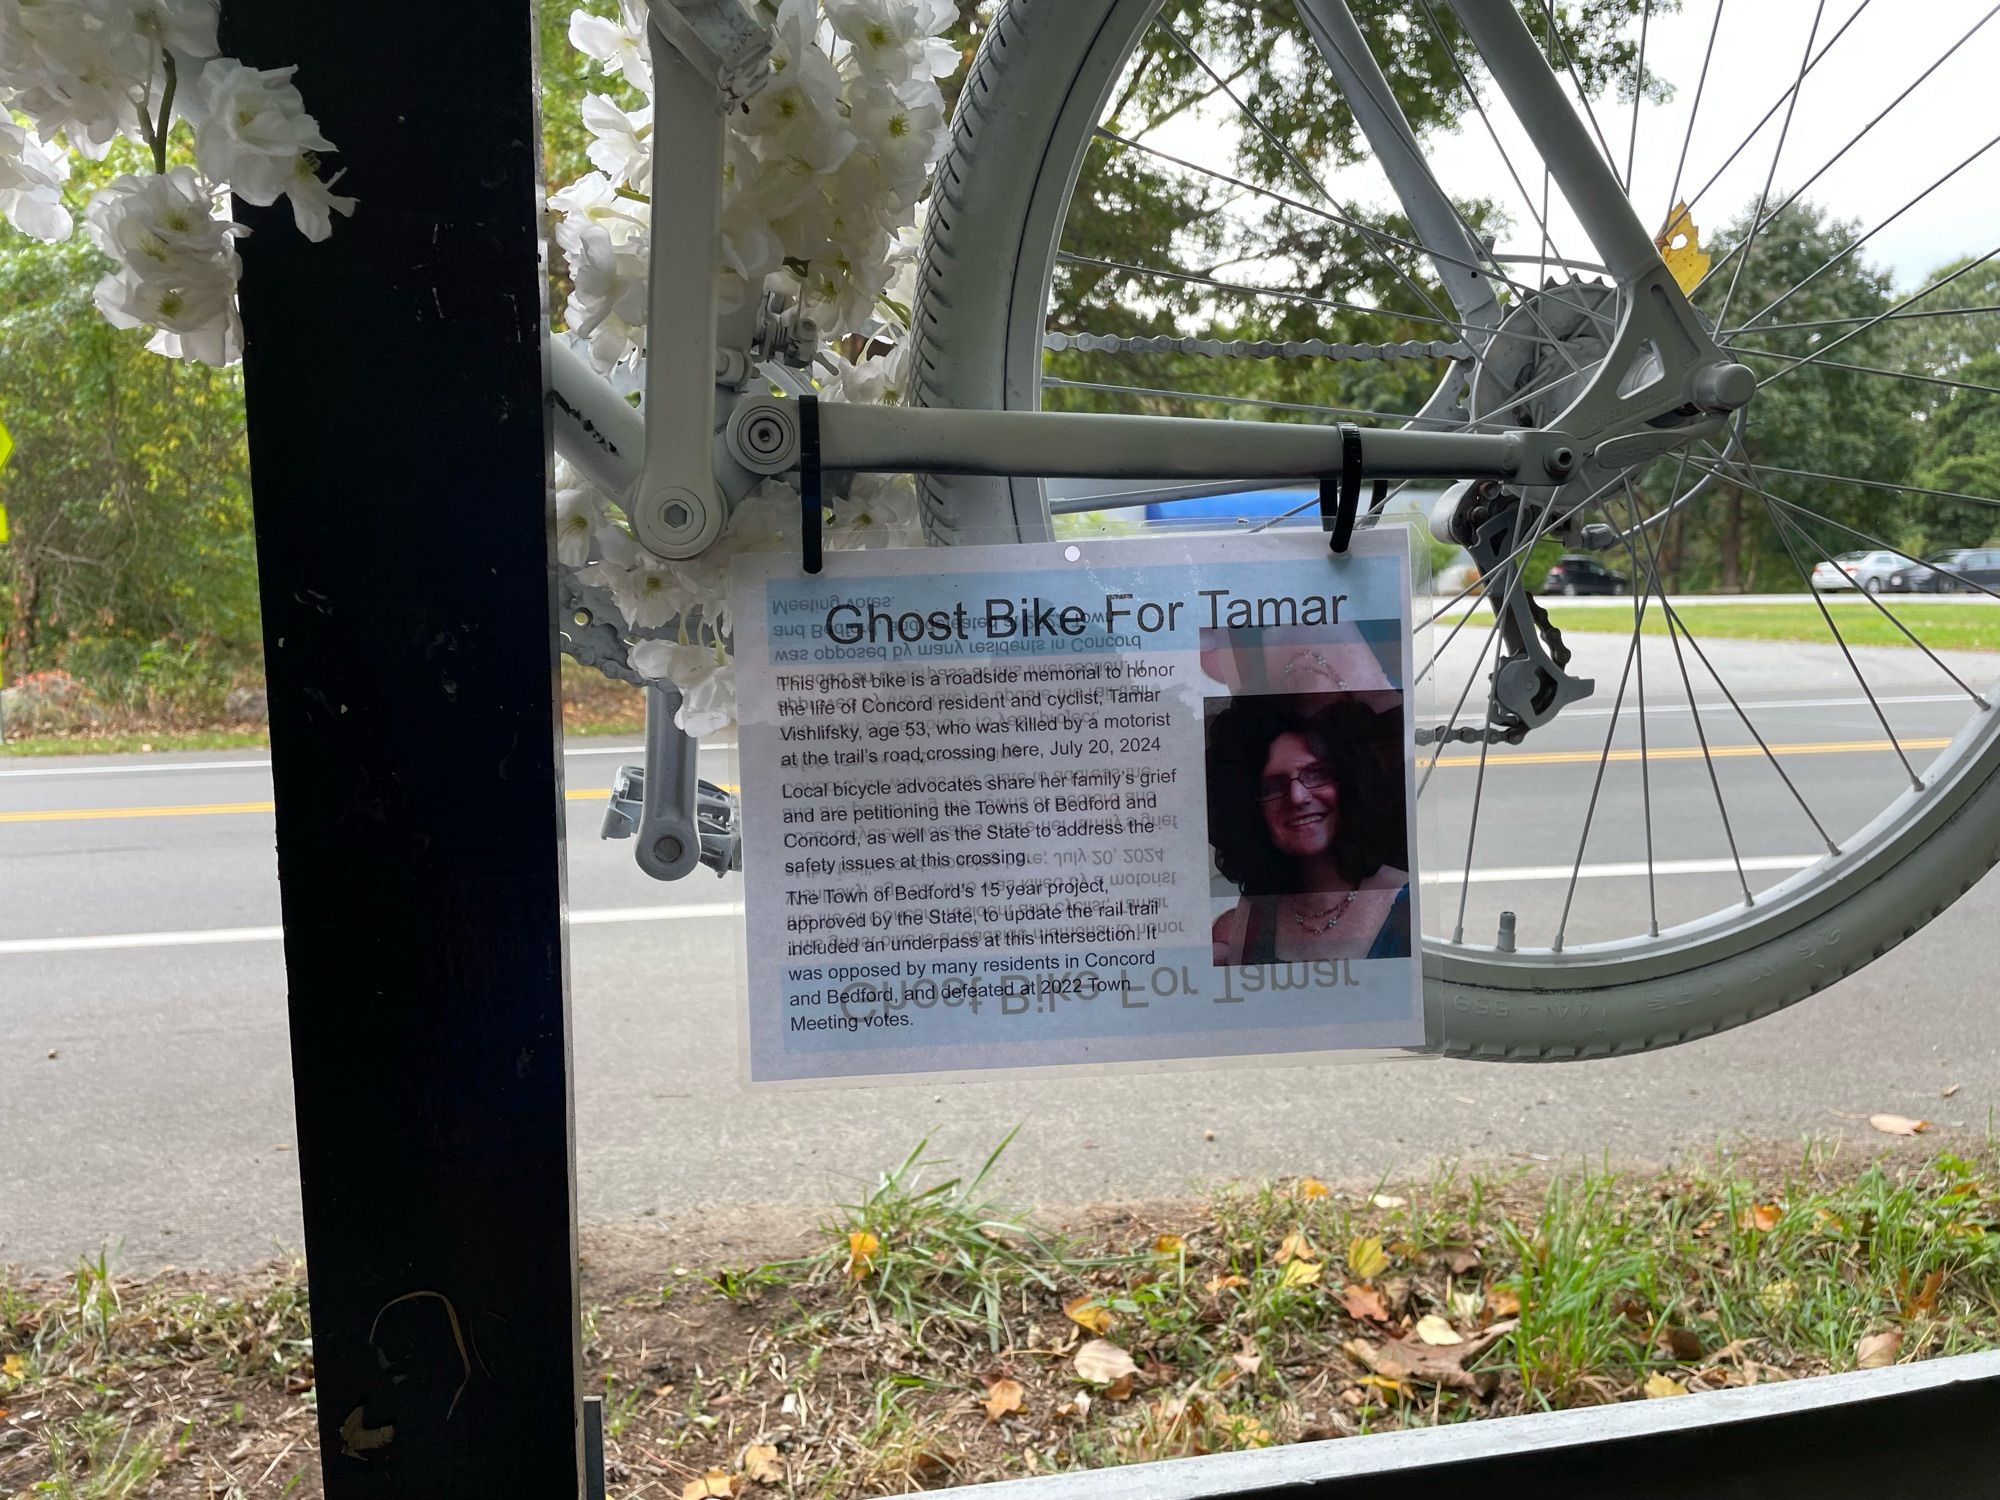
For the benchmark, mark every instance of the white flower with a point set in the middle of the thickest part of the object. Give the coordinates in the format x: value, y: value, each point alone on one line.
x: 76, y: 68
x: 594, y: 198
x: 879, y: 510
x: 31, y: 178
x: 619, y: 45
x: 648, y: 593
x: 878, y: 379
x: 798, y: 113
x: 178, y: 266
x: 901, y: 127
x: 621, y: 142
x: 255, y: 131
x: 186, y: 26
x: 607, y: 300
x: 579, y: 514
x: 702, y: 673
x: 897, y: 38
x: 314, y: 203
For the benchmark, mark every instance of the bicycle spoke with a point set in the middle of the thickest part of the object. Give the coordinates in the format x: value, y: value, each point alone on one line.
x: 1478, y: 792
x: 1764, y: 196
x: 1842, y: 254
x: 1603, y: 760
x: 1776, y: 105
x: 1939, y: 312
x: 1778, y: 524
x: 1828, y: 165
x: 1645, y: 748
x: 1881, y: 608
x: 1834, y: 364
x: 1337, y: 218
x: 1284, y: 149
x: 1701, y: 86
x: 1638, y: 94
x: 1472, y: 95
x: 1821, y: 354
x: 1694, y: 713
x: 1867, y: 484
x: 1275, y: 293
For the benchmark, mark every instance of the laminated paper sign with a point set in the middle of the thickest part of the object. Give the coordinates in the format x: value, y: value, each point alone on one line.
x: 1126, y: 801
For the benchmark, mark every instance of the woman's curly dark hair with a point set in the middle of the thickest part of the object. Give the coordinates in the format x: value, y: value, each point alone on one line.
x: 1364, y: 749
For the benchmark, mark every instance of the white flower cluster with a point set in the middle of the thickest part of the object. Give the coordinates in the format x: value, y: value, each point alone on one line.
x: 85, y: 73
x: 821, y: 184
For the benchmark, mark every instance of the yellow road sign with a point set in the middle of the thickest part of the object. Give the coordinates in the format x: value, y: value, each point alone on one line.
x: 6, y: 447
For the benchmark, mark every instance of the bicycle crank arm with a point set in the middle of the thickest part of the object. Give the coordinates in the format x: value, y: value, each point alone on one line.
x: 763, y: 436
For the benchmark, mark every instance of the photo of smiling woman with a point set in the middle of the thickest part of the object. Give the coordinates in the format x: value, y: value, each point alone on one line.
x: 1306, y: 820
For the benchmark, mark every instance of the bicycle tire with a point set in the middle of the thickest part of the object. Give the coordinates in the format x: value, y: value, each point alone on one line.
x: 1030, y: 101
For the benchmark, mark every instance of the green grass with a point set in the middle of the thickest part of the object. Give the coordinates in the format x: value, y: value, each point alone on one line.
x: 125, y: 744
x: 869, y: 1358
x: 1942, y: 627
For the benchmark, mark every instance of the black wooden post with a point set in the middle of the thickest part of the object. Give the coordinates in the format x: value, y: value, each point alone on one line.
x: 398, y: 451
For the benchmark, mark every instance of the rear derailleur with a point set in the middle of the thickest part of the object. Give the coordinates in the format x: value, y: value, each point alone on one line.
x: 1529, y: 683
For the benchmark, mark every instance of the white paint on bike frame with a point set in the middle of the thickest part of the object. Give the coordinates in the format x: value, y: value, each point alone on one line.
x: 985, y: 786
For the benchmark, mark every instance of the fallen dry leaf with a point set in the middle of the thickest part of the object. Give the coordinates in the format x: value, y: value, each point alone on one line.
x: 1003, y: 1396
x: 1387, y: 1200
x: 1433, y: 1329
x: 1363, y: 1301
x: 1762, y: 1217
x: 861, y: 1250
x: 357, y: 1437
x: 1101, y: 1362
x: 1413, y: 1361
x: 1087, y: 1312
x: 1311, y: 1187
x: 1219, y: 1284
x: 1294, y: 1246
x: 13, y: 1367
x: 1924, y: 1298
x: 1878, y: 1350
x: 1300, y: 1273
x: 1898, y: 1124
x: 1169, y: 1244
x: 1384, y: 1383
x: 1658, y: 1386
x: 1502, y: 1301
x: 1947, y: 1091
x: 714, y: 1485
x: 1460, y: 1260
x: 1119, y: 1389
x: 1464, y: 1306
x: 1249, y: 1361
x: 1365, y: 1258
x: 761, y: 1465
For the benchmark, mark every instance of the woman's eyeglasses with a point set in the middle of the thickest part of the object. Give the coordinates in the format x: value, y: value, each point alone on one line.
x: 1277, y: 788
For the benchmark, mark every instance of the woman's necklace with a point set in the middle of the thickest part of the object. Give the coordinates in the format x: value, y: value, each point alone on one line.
x: 1322, y: 922
x: 1319, y: 663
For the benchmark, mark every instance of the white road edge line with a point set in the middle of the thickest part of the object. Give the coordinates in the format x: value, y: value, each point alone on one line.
x: 638, y: 752
x: 699, y: 910
x: 206, y: 936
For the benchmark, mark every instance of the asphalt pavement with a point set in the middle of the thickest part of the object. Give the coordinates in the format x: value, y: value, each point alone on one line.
x: 144, y: 1073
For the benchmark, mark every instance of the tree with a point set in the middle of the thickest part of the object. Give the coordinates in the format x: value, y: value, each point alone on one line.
x: 128, y: 495
x: 1815, y: 416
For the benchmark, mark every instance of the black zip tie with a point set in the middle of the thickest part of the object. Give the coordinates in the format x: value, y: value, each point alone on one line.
x: 1340, y: 501
x: 812, y: 514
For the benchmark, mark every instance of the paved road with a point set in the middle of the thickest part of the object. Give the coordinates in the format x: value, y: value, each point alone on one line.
x: 138, y: 907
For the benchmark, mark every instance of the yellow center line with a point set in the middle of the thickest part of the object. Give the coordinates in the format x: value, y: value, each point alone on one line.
x: 1501, y: 757
x: 201, y: 809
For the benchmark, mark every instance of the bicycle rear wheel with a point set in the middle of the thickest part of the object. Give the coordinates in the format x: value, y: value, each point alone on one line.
x: 1670, y: 942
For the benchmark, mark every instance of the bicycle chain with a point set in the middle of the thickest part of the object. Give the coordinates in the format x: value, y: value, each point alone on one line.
x: 1111, y: 343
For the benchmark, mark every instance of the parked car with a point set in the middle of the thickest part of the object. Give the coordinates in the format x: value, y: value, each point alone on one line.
x: 1974, y: 569
x: 1857, y: 570
x: 1582, y: 575
x: 1924, y: 577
